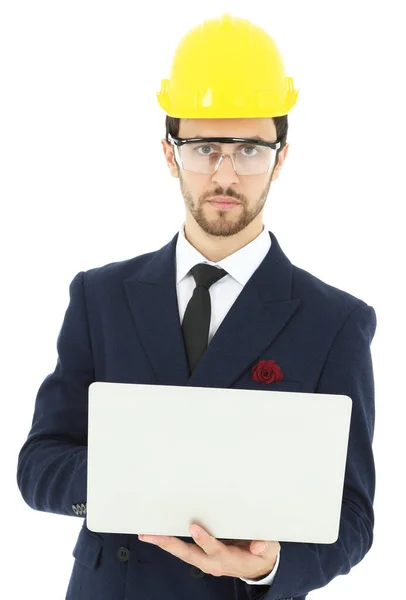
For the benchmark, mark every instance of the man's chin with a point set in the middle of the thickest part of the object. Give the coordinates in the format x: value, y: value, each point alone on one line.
x: 221, y: 229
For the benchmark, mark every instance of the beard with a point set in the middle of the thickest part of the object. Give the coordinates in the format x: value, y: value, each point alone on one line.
x: 221, y: 224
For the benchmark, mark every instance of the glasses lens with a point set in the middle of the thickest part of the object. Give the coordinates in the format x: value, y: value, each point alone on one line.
x: 250, y: 159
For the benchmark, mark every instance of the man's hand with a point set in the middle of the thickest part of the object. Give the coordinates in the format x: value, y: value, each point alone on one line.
x: 250, y: 560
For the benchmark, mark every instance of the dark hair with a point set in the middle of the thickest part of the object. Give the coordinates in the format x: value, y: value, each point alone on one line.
x: 281, y: 125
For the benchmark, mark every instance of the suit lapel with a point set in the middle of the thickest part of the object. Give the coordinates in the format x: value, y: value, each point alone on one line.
x: 259, y: 313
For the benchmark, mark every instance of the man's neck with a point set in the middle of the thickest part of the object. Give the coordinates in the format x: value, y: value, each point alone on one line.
x: 216, y: 248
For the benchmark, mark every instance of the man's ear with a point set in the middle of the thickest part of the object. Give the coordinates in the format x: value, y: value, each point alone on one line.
x: 283, y: 154
x: 281, y: 159
x: 170, y: 158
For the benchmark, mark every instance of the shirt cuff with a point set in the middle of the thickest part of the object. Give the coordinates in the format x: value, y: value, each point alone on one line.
x: 268, y: 580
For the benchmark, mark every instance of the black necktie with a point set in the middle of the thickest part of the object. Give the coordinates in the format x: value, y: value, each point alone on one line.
x: 196, y: 322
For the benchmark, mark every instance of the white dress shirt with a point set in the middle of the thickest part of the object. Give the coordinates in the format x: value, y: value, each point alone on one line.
x: 240, y: 266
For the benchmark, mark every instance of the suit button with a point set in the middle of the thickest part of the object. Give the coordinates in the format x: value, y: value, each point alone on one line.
x: 123, y: 554
x: 196, y: 573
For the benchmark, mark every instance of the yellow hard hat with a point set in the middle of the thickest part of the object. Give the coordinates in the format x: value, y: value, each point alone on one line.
x: 227, y: 67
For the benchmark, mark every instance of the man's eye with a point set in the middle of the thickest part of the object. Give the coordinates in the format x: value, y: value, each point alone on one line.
x: 256, y: 151
x: 202, y: 148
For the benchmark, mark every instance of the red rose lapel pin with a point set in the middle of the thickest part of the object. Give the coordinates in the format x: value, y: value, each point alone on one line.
x: 267, y: 371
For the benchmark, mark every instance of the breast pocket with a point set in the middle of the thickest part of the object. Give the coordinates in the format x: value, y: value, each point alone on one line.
x: 275, y: 386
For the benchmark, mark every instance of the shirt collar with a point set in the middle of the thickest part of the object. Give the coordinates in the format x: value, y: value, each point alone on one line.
x: 240, y: 265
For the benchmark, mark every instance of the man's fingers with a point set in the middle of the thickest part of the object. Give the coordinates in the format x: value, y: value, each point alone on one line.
x: 207, y: 542
x: 218, y: 559
x: 187, y: 552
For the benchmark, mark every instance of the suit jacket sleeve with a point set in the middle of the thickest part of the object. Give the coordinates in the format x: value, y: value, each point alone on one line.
x: 52, y: 463
x: 348, y: 370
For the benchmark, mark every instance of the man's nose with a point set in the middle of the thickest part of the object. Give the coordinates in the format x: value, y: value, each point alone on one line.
x: 225, y: 174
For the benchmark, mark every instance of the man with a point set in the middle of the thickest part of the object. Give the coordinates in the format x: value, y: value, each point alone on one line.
x: 222, y: 281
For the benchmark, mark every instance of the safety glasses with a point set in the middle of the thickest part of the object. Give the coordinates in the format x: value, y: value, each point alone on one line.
x: 249, y: 156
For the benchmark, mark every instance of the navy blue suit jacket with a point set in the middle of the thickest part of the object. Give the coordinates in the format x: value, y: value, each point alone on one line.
x: 122, y: 325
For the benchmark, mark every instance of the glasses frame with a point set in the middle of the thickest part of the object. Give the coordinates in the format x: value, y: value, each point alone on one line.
x: 178, y: 142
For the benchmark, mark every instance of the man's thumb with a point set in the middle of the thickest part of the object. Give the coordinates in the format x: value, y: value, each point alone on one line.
x: 258, y: 547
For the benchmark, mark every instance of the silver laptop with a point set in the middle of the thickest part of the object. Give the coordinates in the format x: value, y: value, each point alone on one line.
x: 243, y: 464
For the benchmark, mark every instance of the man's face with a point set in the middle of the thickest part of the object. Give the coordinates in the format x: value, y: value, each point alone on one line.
x: 250, y: 191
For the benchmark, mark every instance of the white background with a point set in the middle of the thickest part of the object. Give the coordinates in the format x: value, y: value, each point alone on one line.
x: 84, y: 182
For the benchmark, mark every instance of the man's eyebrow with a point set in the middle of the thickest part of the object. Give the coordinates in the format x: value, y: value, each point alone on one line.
x: 256, y: 137
x: 252, y: 137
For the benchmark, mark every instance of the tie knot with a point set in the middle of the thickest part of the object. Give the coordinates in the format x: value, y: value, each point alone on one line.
x: 205, y: 275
